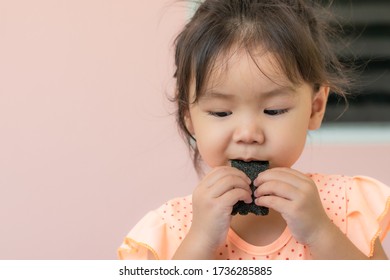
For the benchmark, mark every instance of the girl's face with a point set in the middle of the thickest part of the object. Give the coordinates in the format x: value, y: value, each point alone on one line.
x: 251, y: 114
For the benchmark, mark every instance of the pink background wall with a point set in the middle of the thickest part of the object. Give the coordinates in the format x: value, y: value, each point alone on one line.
x: 87, y: 140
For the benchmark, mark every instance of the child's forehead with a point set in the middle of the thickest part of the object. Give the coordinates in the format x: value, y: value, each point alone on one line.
x: 259, y: 60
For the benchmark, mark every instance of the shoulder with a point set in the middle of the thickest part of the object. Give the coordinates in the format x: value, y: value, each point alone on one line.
x: 171, y: 214
x: 368, y: 212
x: 330, y: 181
x: 357, y: 193
x: 158, y: 234
x: 177, y: 209
x: 358, y: 205
x: 332, y: 190
x: 355, y: 184
x: 174, y: 217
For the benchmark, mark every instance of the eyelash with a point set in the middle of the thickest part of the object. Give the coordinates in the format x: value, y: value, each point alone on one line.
x: 220, y: 114
x: 275, y: 112
x: 268, y: 112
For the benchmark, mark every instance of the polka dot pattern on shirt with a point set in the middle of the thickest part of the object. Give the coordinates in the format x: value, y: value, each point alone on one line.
x: 177, y: 214
x: 333, y: 193
x: 174, y: 219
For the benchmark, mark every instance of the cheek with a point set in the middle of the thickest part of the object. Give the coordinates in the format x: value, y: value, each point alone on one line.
x: 289, y: 144
x: 212, y: 143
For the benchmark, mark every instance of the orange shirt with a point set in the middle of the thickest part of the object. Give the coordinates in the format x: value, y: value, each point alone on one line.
x: 359, y: 206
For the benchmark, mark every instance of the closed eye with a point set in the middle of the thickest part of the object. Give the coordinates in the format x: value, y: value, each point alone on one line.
x: 220, y: 114
x: 275, y: 112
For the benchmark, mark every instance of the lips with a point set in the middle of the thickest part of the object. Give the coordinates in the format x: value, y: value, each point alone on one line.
x: 249, y: 160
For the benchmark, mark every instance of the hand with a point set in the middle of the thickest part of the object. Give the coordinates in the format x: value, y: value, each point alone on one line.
x: 295, y: 196
x: 212, y: 203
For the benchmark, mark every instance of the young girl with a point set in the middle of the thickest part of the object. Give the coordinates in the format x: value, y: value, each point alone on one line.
x: 252, y: 78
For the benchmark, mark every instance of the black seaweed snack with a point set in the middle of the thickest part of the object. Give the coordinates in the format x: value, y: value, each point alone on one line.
x: 251, y: 169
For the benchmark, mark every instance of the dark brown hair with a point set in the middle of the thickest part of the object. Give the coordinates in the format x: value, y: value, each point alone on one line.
x: 295, y: 31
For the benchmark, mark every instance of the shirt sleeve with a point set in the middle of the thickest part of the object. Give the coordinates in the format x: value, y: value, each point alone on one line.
x: 368, y: 216
x: 159, y: 233
x: 143, y: 242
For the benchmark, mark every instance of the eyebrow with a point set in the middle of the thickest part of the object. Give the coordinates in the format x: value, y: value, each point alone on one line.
x: 279, y: 91
x: 216, y: 95
x: 283, y: 90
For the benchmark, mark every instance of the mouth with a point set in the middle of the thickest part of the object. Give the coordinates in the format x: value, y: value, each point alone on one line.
x: 249, y: 160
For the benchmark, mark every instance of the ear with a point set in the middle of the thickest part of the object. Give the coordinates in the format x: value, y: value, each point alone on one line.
x: 188, y: 122
x: 318, y: 107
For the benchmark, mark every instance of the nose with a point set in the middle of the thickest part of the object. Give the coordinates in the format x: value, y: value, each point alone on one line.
x: 249, y: 132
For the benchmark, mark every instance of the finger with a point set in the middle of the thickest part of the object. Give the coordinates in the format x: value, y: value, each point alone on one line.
x: 228, y: 183
x: 277, y: 188
x: 231, y: 197
x: 220, y: 172
x: 287, y: 175
x: 276, y: 203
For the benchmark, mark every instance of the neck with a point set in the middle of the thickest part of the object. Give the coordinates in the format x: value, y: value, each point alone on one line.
x: 259, y: 230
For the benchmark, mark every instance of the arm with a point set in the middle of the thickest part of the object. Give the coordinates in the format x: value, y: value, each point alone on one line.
x: 295, y: 197
x: 192, y: 248
x: 212, y: 203
x: 330, y: 236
